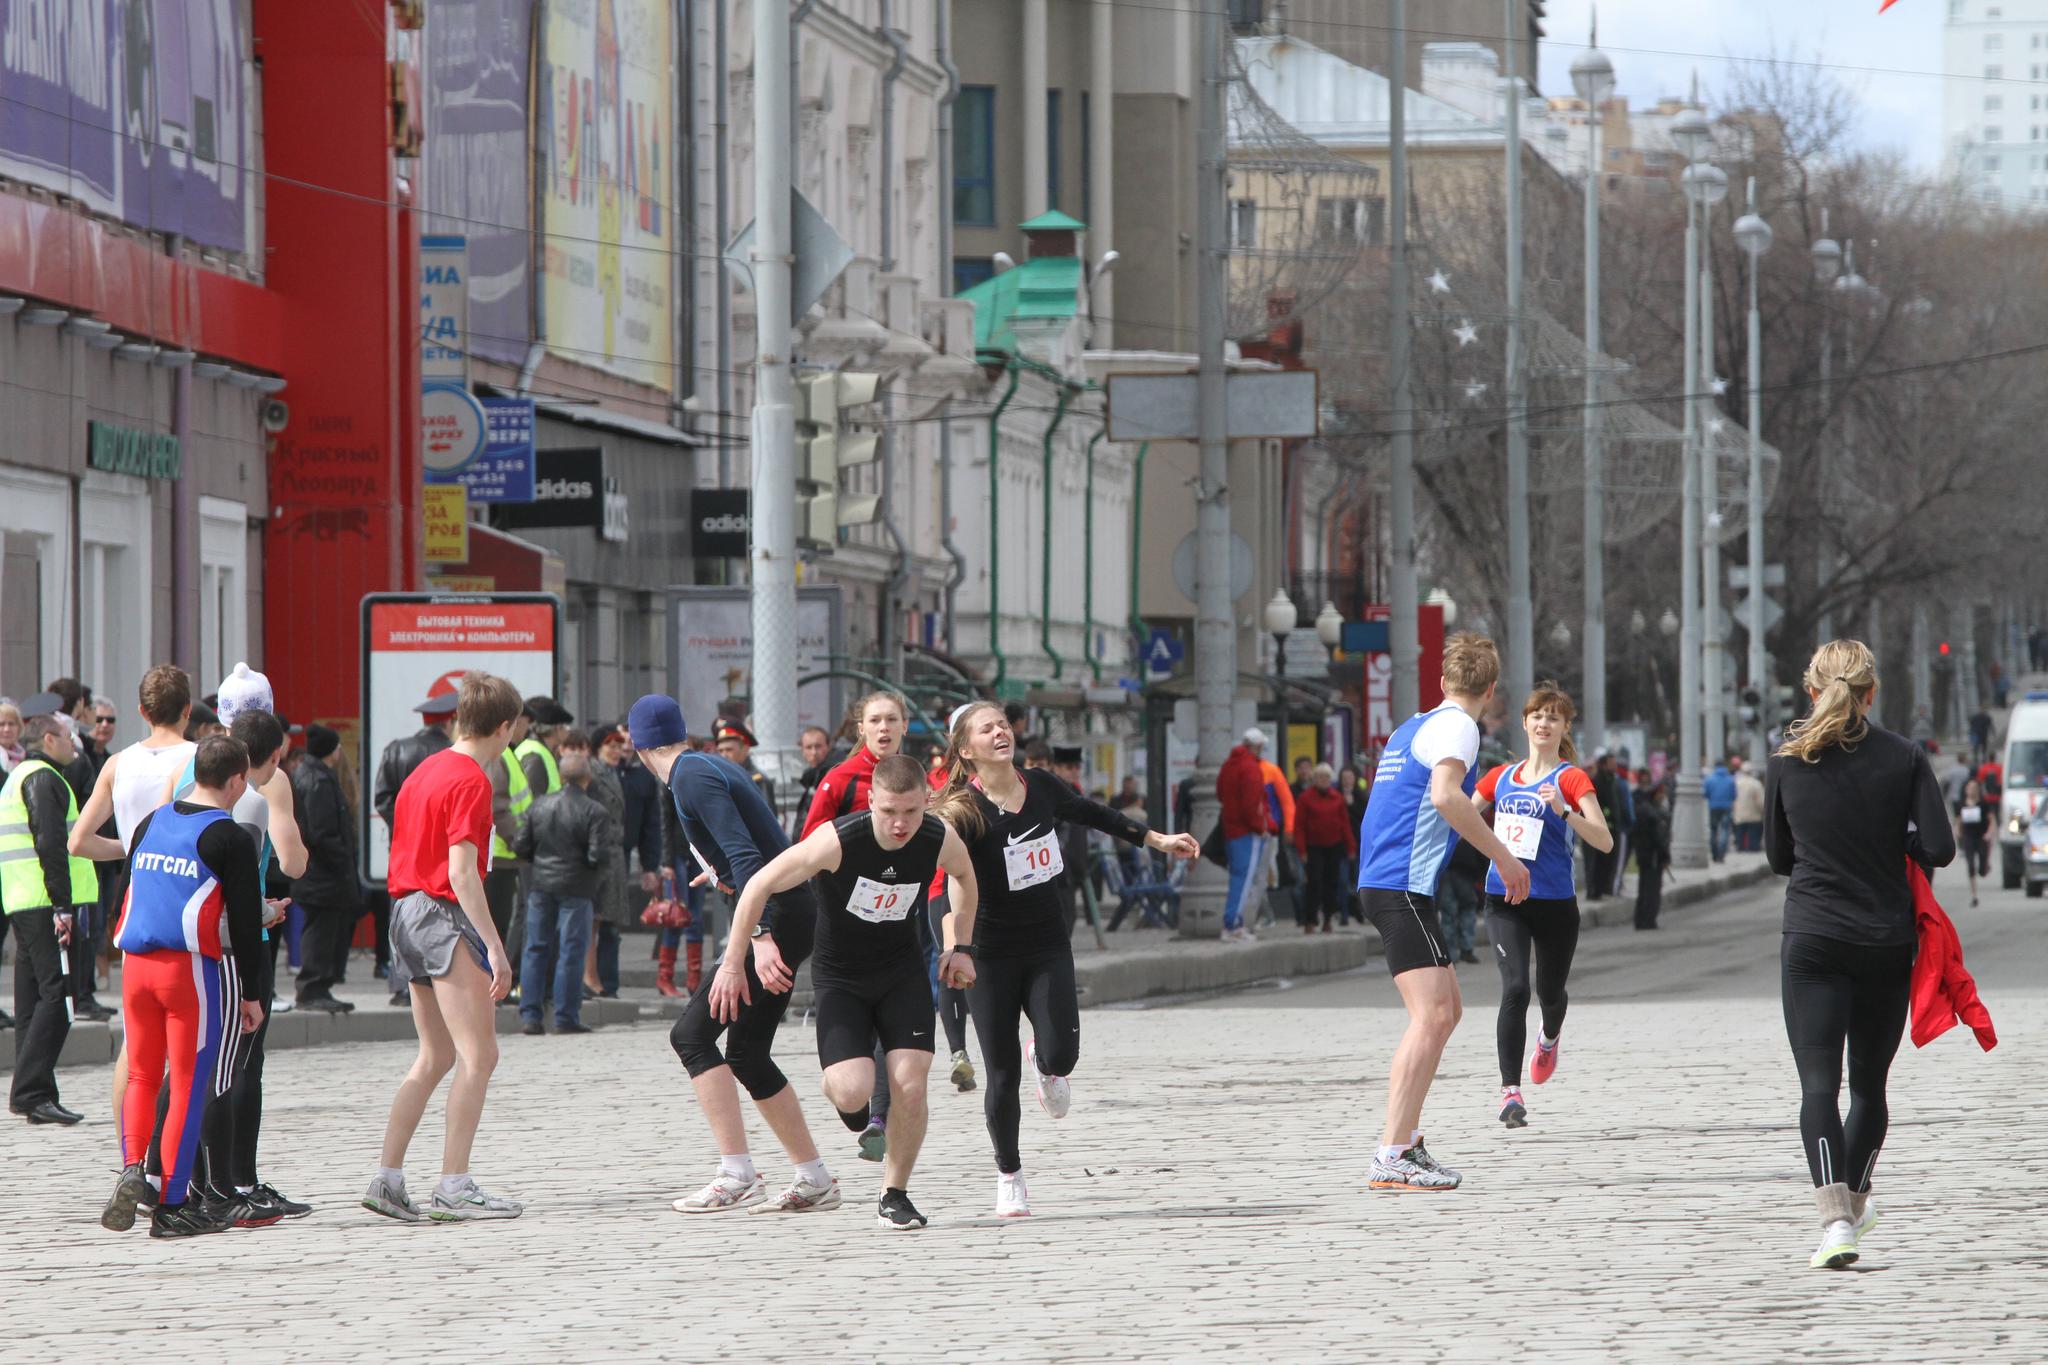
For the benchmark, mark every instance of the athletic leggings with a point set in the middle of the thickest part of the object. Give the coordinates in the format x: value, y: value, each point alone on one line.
x: 1838, y: 993
x: 1551, y: 928
x: 749, y: 1038
x: 172, y: 1004
x: 952, y: 1000
x: 1041, y: 986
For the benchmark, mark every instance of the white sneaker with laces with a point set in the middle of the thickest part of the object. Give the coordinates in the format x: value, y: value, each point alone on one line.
x: 1837, y: 1246
x: 1013, y: 1200
x: 1054, y: 1093
x: 470, y: 1203
x: 803, y: 1197
x: 724, y: 1193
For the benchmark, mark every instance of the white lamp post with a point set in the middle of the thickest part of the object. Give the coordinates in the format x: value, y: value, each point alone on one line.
x: 1753, y: 235
x: 1330, y: 626
x: 1280, y: 617
x: 1593, y: 80
x: 1826, y: 254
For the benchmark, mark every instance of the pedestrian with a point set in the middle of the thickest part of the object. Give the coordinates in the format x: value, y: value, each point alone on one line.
x: 566, y: 844
x: 1847, y: 803
x: 100, y: 746
x: 1420, y: 806
x: 1652, y: 840
x: 1128, y: 794
x: 1460, y: 895
x: 1748, y: 810
x: 1277, y: 870
x: 1355, y: 790
x: 12, y: 751
x: 1326, y: 840
x: 1923, y: 726
x: 1976, y: 825
x: 1024, y: 961
x: 815, y: 744
x: 874, y: 870
x: 1304, y: 774
x: 89, y: 930
x: 41, y: 886
x: 736, y: 743
x: 1246, y: 822
x: 329, y: 893
x: 1719, y: 790
x: 534, y: 755
x: 394, y: 765
x: 1541, y: 807
x: 611, y: 912
x: 445, y: 942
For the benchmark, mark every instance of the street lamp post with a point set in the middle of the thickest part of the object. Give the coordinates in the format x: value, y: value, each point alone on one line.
x: 1826, y: 254
x: 1753, y: 235
x: 1593, y: 79
x: 1280, y: 619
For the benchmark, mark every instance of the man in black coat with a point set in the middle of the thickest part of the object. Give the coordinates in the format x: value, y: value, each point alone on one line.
x: 329, y: 892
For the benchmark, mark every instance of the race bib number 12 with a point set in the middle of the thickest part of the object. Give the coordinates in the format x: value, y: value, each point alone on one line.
x: 1523, y: 834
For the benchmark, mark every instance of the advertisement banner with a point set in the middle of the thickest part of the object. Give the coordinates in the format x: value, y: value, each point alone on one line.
x: 504, y: 471
x: 478, y: 166
x: 417, y: 645
x: 721, y: 523
x: 444, y: 309
x: 602, y: 119
x: 134, y: 109
x: 445, y: 511
x: 713, y: 645
x: 568, y: 490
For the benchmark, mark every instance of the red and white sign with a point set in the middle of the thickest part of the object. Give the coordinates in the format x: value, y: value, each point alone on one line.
x: 452, y: 429
x: 419, y: 646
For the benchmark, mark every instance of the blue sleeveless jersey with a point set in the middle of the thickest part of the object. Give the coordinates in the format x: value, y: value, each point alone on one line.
x: 1550, y: 871
x: 1403, y: 843
x: 174, y: 900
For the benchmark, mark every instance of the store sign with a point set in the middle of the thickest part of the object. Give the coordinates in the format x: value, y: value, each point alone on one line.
x: 417, y: 645
x: 568, y: 490
x: 504, y: 472
x: 444, y: 308
x: 445, y: 510
x: 721, y: 527
x: 126, y: 450
x: 452, y: 429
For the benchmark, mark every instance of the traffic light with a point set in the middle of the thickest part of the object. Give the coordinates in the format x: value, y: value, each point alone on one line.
x: 823, y: 448
x: 1786, y: 703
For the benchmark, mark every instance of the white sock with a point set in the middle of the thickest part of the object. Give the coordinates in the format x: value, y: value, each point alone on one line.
x: 156, y: 1182
x: 1391, y: 1154
x: 394, y: 1176
x: 1547, y: 1044
x: 811, y: 1172
x: 245, y: 1189
x: 739, y: 1167
x: 452, y: 1185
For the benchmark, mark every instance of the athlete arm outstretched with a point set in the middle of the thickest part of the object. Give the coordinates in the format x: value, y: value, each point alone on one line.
x: 1075, y: 809
x: 956, y: 969
x: 790, y: 868
x: 1447, y: 794
x: 86, y: 841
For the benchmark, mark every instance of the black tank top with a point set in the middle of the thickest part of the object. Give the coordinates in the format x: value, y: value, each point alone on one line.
x: 870, y: 911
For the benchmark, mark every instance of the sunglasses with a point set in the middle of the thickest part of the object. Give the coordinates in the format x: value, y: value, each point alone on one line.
x: 103, y: 720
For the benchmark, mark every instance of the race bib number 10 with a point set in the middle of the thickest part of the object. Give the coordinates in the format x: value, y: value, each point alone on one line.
x: 880, y: 902
x: 1033, y: 861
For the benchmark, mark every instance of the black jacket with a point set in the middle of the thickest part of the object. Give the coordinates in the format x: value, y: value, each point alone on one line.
x: 1650, y: 836
x: 330, y: 834
x: 400, y: 757
x: 644, y: 800
x: 566, y: 841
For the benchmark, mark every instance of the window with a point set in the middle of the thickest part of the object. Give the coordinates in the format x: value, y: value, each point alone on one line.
x: 1087, y: 165
x: 1994, y: 103
x: 969, y: 271
x: 1993, y: 135
x: 1994, y: 73
x: 1247, y: 16
x: 1052, y: 149
x: 1358, y: 220
x: 2034, y: 72
x: 1990, y: 163
x: 974, y: 156
x: 2036, y: 42
x: 114, y: 582
x: 223, y: 587
x: 2034, y: 103
x: 1244, y: 224
x: 1994, y: 42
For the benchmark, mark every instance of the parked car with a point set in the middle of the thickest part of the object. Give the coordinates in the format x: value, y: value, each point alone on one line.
x: 2026, y: 783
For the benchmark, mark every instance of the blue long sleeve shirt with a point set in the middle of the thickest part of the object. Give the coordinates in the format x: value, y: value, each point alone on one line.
x: 725, y: 817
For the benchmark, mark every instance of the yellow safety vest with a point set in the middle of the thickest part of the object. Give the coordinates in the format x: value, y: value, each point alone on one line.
x: 21, y: 873
x: 521, y: 792
x: 530, y: 747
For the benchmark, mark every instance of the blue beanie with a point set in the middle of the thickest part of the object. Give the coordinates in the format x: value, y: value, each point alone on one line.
x: 655, y: 722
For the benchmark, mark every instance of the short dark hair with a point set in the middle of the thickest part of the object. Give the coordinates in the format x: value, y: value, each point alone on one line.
x: 899, y: 773
x: 219, y: 760
x: 1038, y: 751
x: 165, y: 694
x: 71, y: 690
x: 260, y: 734
x: 485, y: 703
x: 37, y: 728
x: 575, y: 739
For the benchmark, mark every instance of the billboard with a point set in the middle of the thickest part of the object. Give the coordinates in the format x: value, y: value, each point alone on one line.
x: 135, y: 108
x: 417, y: 645
x: 712, y: 646
x: 477, y: 166
x: 602, y: 120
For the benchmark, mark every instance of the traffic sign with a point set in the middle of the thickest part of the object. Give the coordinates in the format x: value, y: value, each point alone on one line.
x: 1162, y: 651
x: 1773, y: 613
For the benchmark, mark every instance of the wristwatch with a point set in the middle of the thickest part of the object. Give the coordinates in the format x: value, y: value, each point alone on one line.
x: 964, y: 949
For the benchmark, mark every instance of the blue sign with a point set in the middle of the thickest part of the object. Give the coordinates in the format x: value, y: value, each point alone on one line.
x: 504, y: 471
x: 1365, y: 637
x: 1163, y: 651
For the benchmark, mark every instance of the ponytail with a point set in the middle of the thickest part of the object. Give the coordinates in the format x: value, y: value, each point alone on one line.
x: 1842, y: 676
x: 954, y: 801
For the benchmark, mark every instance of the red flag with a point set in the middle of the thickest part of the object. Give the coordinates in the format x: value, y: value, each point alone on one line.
x: 1886, y: 5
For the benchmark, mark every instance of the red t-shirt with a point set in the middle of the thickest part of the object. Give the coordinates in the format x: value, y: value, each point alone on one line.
x: 446, y: 801
x: 1572, y: 783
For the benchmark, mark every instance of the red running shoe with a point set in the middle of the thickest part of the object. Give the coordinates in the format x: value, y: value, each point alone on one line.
x: 1543, y: 1065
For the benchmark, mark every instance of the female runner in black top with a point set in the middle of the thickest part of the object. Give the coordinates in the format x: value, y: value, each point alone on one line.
x: 1845, y: 805
x: 1024, y: 963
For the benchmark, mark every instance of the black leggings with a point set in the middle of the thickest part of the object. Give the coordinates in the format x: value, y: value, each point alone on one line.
x: 1838, y: 993
x: 749, y: 1038
x: 1006, y: 989
x: 952, y: 1000
x: 1551, y: 927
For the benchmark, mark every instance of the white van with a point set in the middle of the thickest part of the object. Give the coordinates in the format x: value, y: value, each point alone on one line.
x: 2026, y: 782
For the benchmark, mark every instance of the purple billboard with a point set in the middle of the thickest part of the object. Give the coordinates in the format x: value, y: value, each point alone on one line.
x: 136, y: 108
x: 477, y: 166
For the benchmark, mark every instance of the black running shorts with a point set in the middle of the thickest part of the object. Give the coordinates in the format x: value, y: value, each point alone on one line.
x: 1410, y: 934
x: 894, y: 1007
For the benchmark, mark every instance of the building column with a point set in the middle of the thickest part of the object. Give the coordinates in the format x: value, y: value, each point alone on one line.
x: 1102, y: 165
x: 1034, y: 109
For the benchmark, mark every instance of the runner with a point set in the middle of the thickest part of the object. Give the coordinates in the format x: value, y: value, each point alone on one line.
x: 1976, y: 818
x: 1418, y: 809
x: 1024, y: 960
x: 192, y: 960
x: 444, y: 941
x: 874, y: 869
x: 1541, y: 808
x: 1847, y: 803
x: 731, y: 831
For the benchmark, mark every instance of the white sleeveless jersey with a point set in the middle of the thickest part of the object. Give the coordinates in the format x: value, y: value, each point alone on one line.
x: 139, y: 780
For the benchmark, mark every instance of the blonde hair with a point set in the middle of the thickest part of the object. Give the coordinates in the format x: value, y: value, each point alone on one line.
x: 1471, y: 665
x: 954, y: 803
x: 1841, y: 676
x: 1548, y: 696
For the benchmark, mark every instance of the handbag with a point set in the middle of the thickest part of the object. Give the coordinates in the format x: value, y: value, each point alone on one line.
x: 1216, y: 848
x: 665, y: 911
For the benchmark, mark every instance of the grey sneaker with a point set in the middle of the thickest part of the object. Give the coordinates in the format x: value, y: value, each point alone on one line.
x: 1429, y: 1163
x: 725, y: 1192
x: 803, y: 1197
x: 1404, y: 1172
x: 390, y: 1200
x: 470, y: 1202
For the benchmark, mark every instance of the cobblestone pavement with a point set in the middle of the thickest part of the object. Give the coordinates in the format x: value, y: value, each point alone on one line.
x: 1204, y: 1200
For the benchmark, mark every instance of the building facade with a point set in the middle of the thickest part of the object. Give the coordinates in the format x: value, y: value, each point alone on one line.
x: 1994, y: 125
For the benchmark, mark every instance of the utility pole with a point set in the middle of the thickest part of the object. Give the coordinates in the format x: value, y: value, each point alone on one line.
x: 1404, y: 641
x: 1521, y: 652
x: 772, y: 551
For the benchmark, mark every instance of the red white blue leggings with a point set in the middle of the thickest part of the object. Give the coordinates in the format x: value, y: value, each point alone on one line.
x: 173, y: 1008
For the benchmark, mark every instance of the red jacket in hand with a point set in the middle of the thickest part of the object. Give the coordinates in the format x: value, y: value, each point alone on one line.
x: 1944, y: 993
x: 1322, y: 819
x: 1241, y: 788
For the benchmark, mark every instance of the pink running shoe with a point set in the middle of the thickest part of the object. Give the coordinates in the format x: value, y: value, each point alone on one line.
x: 1543, y: 1065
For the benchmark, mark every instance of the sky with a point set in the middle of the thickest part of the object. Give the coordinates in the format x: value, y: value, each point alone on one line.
x: 1891, y: 62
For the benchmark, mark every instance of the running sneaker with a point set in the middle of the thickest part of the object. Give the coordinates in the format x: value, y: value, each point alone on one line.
x: 132, y: 1192
x: 1404, y: 1172
x: 390, y: 1200
x: 1054, y: 1093
x: 724, y: 1193
x: 247, y: 1211
x: 1543, y: 1063
x: 1837, y: 1246
x: 1513, y: 1112
x: 291, y: 1208
x: 874, y: 1141
x: 1430, y: 1163
x: 897, y: 1213
x: 963, y: 1072
x: 1864, y: 1224
x: 189, y: 1219
x: 803, y: 1197
x: 470, y: 1203
x: 1013, y: 1200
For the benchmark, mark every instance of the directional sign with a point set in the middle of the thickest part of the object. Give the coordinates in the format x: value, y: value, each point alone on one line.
x: 1257, y: 403
x: 1163, y: 651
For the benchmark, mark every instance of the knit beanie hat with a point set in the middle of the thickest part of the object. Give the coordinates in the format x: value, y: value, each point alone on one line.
x: 321, y: 741
x: 243, y: 690
x: 655, y: 722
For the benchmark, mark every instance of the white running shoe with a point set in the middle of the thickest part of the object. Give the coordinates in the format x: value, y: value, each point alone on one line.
x: 1837, y: 1246
x: 803, y: 1197
x: 1866, y: 1222
x: 1406, y: 1172
x: 469, y: 1203
x: 1013, y: 1200
x: 1054, y: 1094
x: 390, y: 1200
x: 963, y: 1072
x: 724, y: 1193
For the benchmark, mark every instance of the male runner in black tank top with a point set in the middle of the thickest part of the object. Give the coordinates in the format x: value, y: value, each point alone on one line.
x: 873, y: 870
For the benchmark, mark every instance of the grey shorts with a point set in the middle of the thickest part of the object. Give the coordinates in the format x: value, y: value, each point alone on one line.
x: 425, y: 932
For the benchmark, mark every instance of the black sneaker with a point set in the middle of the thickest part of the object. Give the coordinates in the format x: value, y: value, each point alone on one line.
x: 532, y: 1028
x: 897, y: 1213
x: 91, y: 1010
x: 134, y: 1191
x: 291, y: 1208
x: 256, y: 1210
x: 189, y: 1219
